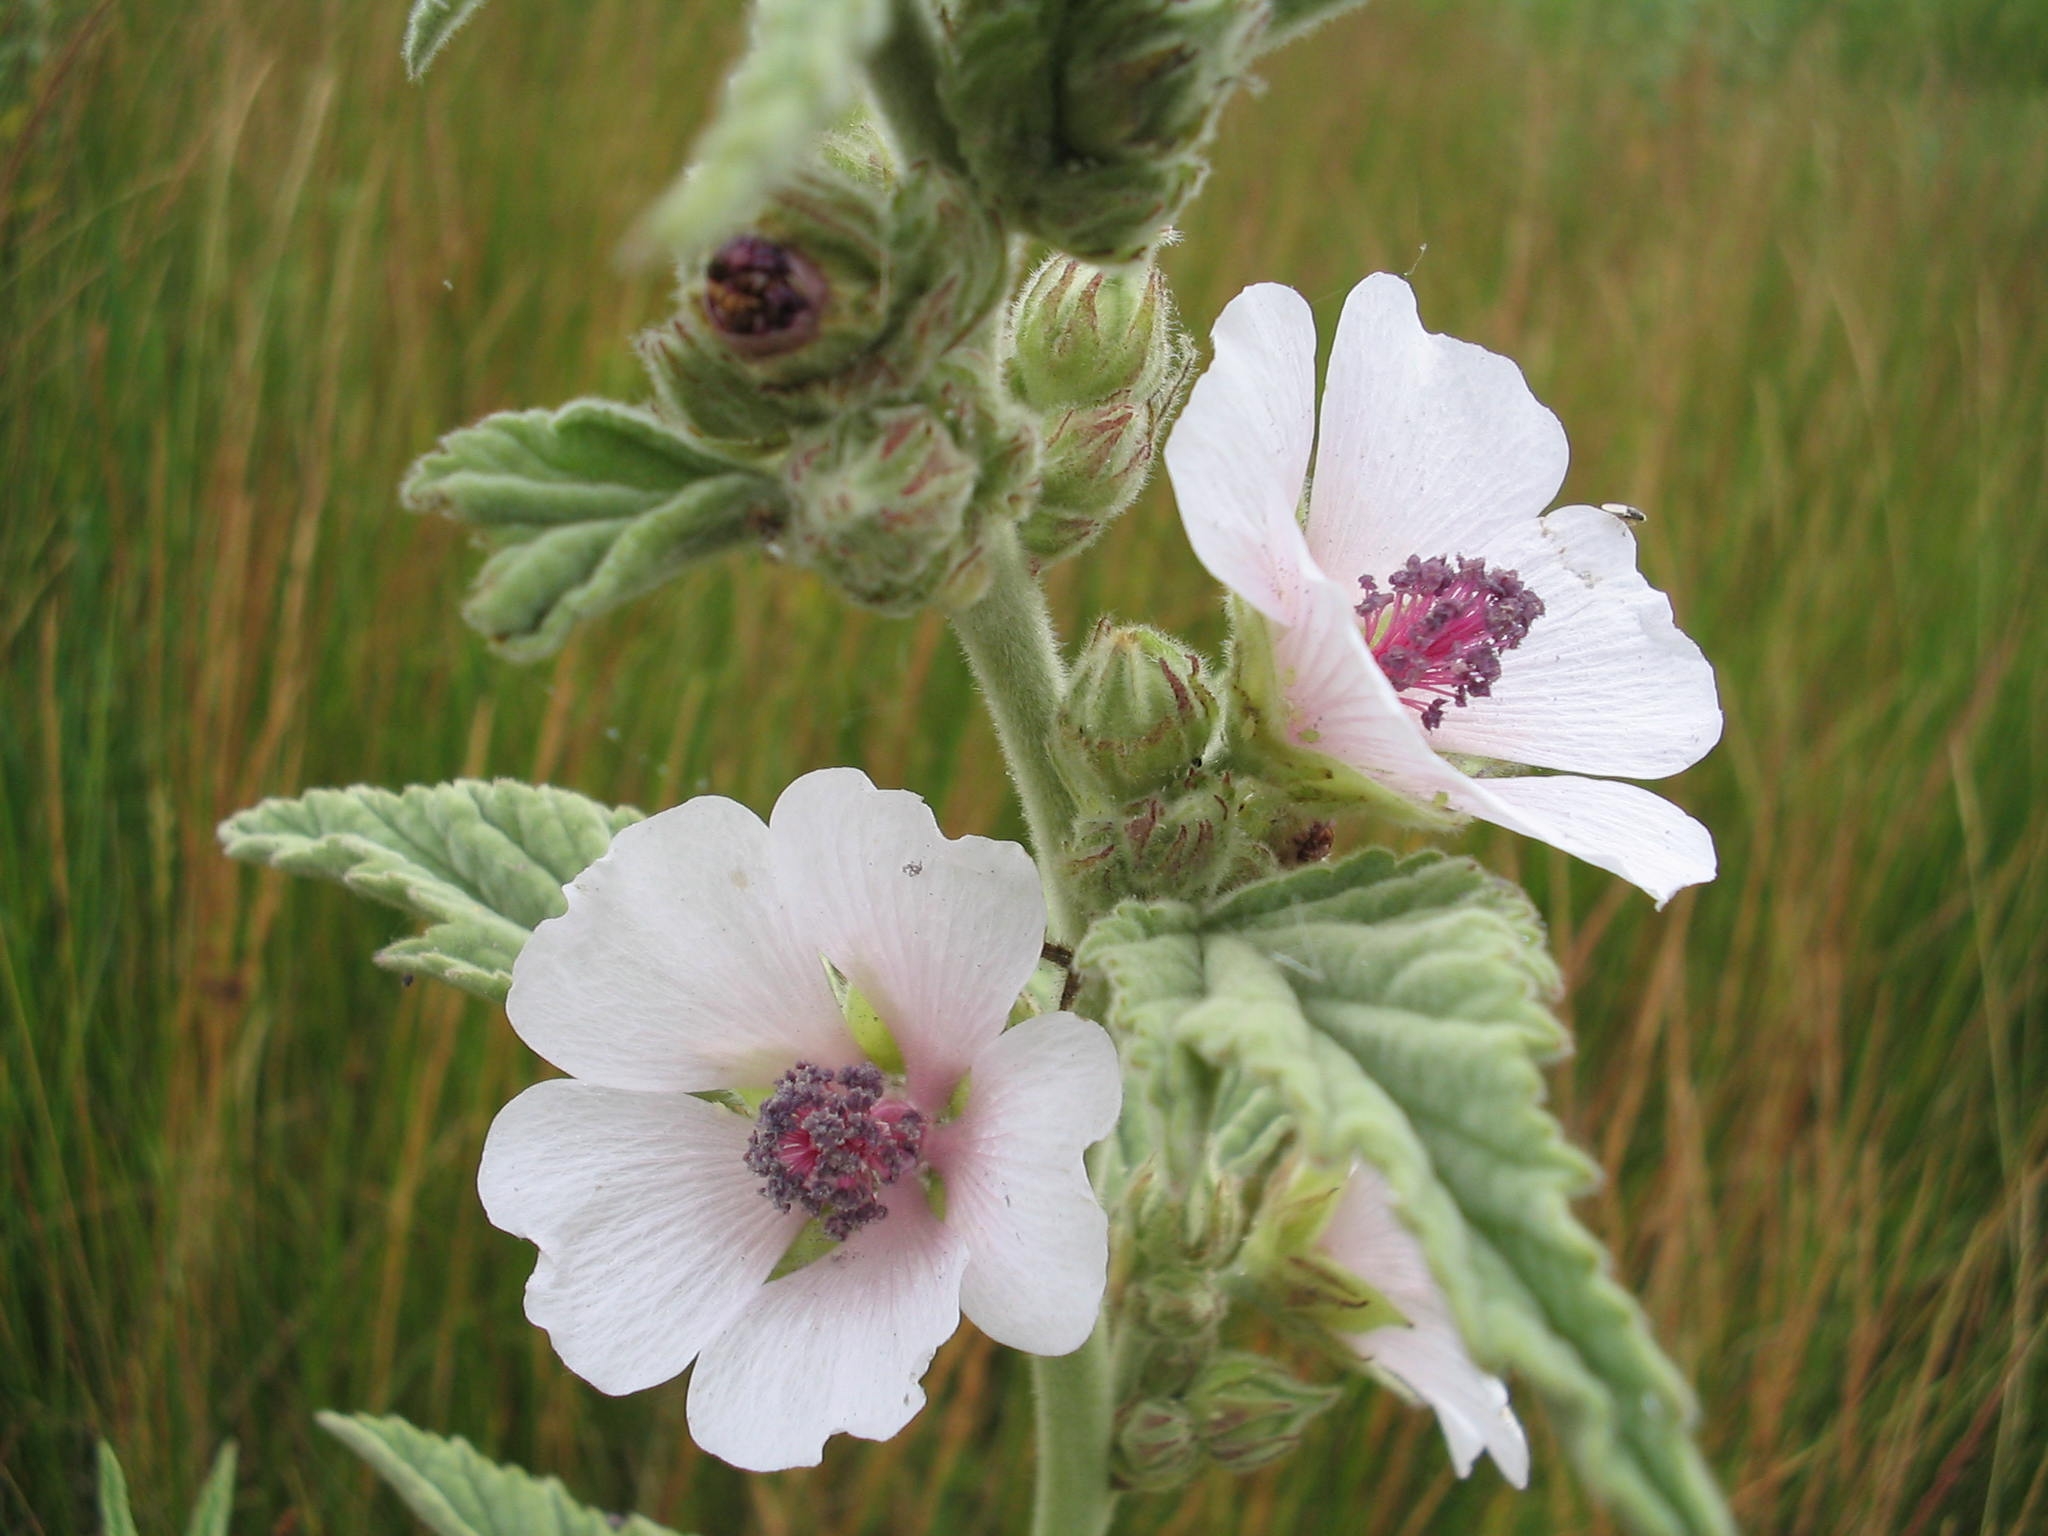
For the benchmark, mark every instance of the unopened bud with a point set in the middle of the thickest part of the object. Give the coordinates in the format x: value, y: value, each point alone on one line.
x: 1156, y: 1446
x: 1180, y: 1304
x: 1079, y: 334
x: 1138, y: 716
x: 850, y: 283
x: 1248, y: 1412
x: 882, y: 499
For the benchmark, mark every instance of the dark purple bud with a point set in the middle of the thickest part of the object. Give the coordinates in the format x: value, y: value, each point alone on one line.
x: 762, y: 297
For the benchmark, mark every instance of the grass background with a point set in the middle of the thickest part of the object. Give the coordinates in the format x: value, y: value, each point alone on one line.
x: 1779, y: 266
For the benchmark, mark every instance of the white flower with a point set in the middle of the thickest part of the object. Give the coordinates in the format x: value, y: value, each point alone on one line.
x: 1399, y: 620
x: 1426, y: 1356
x: 693, y: 957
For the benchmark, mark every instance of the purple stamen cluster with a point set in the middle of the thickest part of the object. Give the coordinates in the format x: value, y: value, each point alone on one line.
x: 1439, y: 627
x: 763, y: 296
x: 829, y: 1142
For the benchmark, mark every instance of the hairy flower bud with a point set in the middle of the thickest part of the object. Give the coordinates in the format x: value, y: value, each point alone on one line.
x: 1138, y: 716
x: 1090, y: 121
x: 1180, y: 1304
x: 1186, y: 845
x: 882, y: 500
x: 851, y: 282
x: 1156, y: 1446
x: 1079, y: 334
x: 1247, y: 1411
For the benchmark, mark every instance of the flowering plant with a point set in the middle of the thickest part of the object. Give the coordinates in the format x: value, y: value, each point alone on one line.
x: 1206, y: 1104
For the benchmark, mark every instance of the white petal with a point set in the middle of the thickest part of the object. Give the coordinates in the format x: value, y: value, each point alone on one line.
x: 1429, y: 446
x: 1639, y: 836
x: 1427, y: 1356
x: 1471, y: 1406
x: 653, y: 1234
x: 1605, y: 682
x: 837, y: 1347
x: 1238, y: 456
x: 1342, y: 704
x: 1346, y: 708
x: 940, y: 935
x: 676, y: 967
x: 1016, y: 1189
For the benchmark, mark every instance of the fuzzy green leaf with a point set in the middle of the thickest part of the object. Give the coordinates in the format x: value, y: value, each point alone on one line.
x: 1398, y: 1008
x: 802, y: 72
x: 116, y: 1519
x: 482, y: 862
x: 429, y: 27
x: 458, y: 1492
x: 586, y: 507
x: 216, y: 1500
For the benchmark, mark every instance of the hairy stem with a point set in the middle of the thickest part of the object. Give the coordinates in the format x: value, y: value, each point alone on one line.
x: 1075, y: 1398
x: 1009, y: 642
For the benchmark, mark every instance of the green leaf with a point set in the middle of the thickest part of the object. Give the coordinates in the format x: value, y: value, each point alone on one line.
x: 457, y: 1492
x: 116, y: 1519
x: 801, y: 73
x: 1397, y: 1007
x: 482, y: 862
x: 587, y: 507
x: 429, y: 27
x: 216, y: 1500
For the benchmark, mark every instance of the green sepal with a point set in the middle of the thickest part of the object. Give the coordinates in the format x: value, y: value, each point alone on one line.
x: 801, y: 73
x: 586, y: 506
x: 1397, y: 1007
x: 865, y: 1023
x: 482, y: 862
x: 457, y: 1492
x: 428, y: 28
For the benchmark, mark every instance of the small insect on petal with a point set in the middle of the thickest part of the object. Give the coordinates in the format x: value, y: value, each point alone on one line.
x: 1624, y: 511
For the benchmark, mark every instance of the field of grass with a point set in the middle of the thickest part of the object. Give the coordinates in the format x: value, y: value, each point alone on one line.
x: 1793, y: 305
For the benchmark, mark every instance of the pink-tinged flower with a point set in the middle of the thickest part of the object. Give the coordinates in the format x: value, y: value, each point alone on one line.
x: 1425, y: 1357
x: 936, y: 1162
x: 1431, y: 605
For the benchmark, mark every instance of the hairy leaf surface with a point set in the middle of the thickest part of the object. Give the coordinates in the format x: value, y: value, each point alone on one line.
x: 481, y: 862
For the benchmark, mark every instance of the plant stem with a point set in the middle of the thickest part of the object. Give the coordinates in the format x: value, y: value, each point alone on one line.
x: 1075, y: 1402
x: 1010, y: 646
x: 1008, y: 637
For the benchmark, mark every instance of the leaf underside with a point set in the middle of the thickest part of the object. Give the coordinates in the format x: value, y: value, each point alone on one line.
x: 458, y: 1492
x: 1399, y: 1009
x: 482, y: 862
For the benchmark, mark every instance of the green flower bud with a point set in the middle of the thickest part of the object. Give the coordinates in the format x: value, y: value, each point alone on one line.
x: 1180, y: 1304
x: 1138, y: 716
x: 851, y: 282
x: 1187, y: 845
x: 1200, y: 1227
x: 882, y: 500
x: 1079, y: 334
x: 1097, y: 460
x: 1247, y: 1411
x: 1156, y: 1446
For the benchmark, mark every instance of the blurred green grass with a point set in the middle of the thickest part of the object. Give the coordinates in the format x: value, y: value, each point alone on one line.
x: 1791, y: 303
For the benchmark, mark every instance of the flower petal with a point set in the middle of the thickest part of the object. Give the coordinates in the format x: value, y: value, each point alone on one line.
x: 676, y: 967
x: 1429, y: 445
x: 1639, y: 836
x: 1471, y: 1406
x: 1605, y: 682
x: 1016, y: 1189
x: 1427, y: 1356
x: 1239, y: 454
x: 1345, y: 707
x: 939, y: 934
x: 653, y: 1234
x: 1342, y: 705
x: 837, y: 1347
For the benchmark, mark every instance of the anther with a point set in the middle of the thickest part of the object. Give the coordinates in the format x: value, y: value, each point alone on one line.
x: 1439, y: 627
x: 830, y: 1142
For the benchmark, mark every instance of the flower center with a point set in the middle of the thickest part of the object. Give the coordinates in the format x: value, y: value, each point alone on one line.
x: 764, y: 297
x: 830, y: 1141
x: 1439, y: 627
